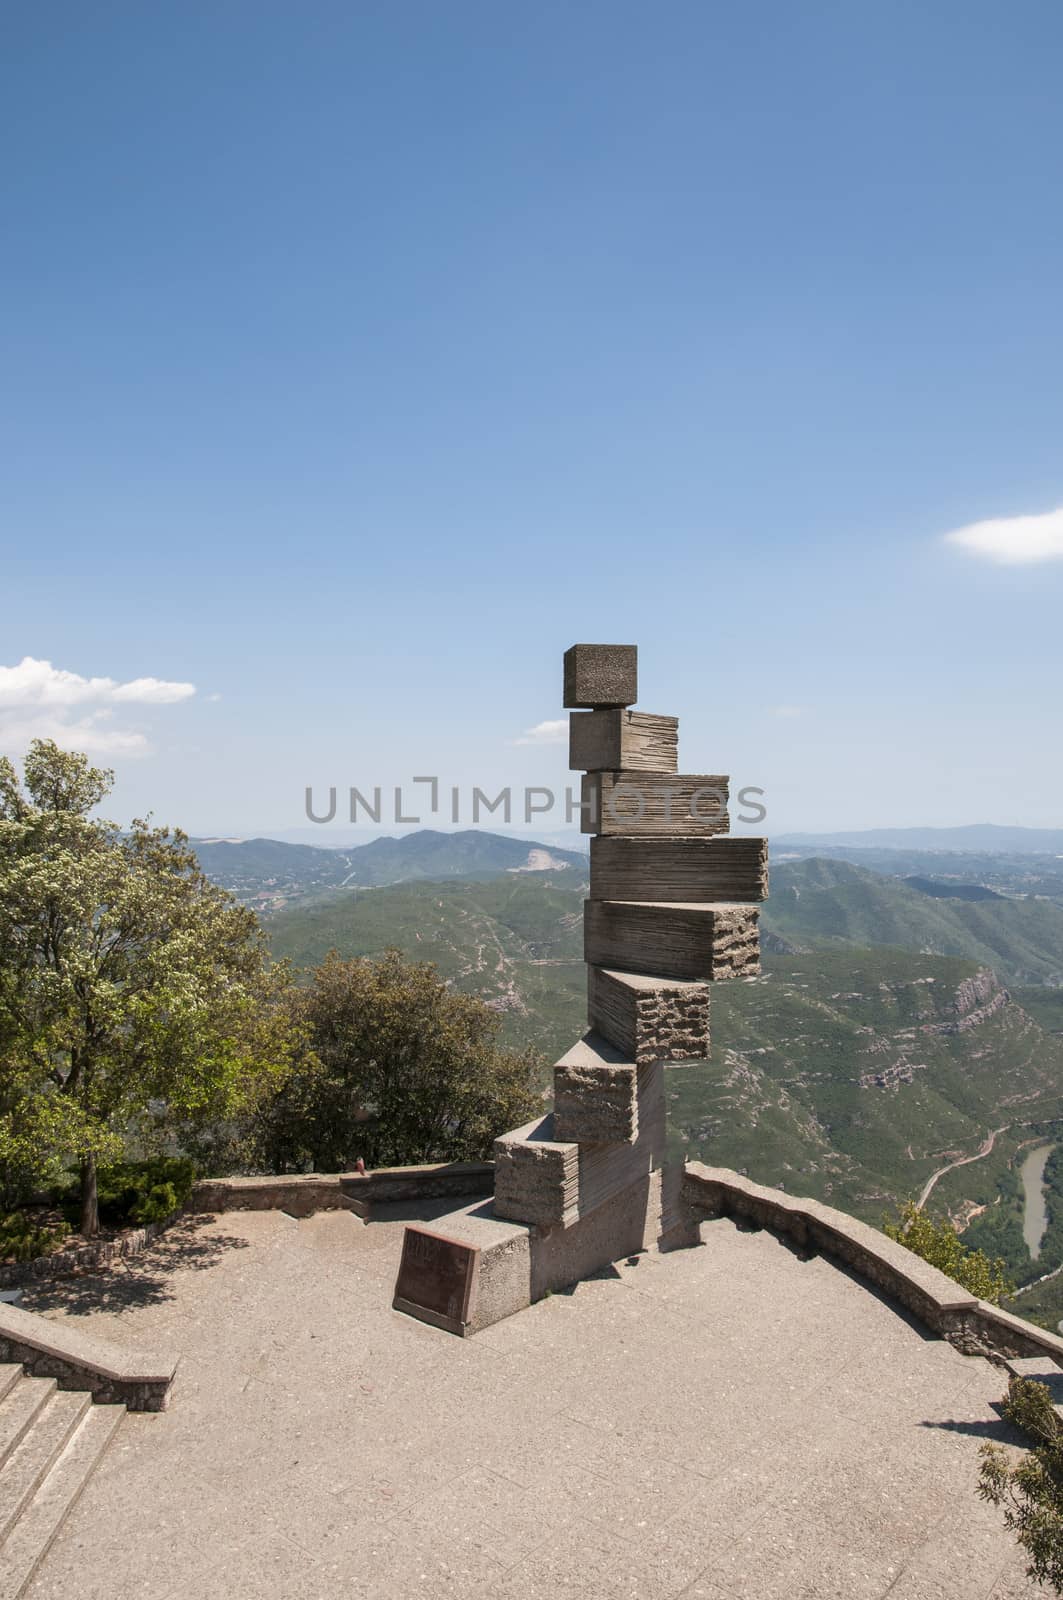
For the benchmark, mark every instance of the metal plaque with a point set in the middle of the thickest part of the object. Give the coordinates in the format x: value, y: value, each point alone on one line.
x: 437, y: 1280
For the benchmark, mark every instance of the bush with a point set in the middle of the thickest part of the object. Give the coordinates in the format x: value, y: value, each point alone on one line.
x: 1031, y: 1490
x: 396, y: 1067
x: 938, y: 1243
x: 134, y: 1193
x: 22, y: 1238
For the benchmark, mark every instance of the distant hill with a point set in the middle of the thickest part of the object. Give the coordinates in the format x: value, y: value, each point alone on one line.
x: 1006, y: 873
x: 976, y: 836
x: 941, y: 889
x: 818, y: 903
x: 272, y: 875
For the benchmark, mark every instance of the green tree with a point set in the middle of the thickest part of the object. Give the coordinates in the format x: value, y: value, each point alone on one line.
x: 399, y: 1068
x: 130, y: 986
x: 938, y: 1243
x: 1030, y: 1490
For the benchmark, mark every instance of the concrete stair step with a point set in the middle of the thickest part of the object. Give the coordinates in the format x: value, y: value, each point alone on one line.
x: 19, y: 1408
x: 27, y: 1466
x: 33, y: 1533
x: 10, y: 1373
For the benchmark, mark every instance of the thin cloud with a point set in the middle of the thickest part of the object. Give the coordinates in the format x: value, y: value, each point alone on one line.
x: 40, y: 701
x: 545, y: 733
x: 788, y: 711
x: 1013, y: 541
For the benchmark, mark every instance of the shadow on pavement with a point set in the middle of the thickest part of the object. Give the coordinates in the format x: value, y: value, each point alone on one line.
x: 141, y: 1280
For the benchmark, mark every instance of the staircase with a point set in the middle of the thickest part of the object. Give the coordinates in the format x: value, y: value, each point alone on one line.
x: 50, y: 1442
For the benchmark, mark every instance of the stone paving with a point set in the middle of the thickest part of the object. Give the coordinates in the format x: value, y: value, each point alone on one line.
x: 723, y: 1423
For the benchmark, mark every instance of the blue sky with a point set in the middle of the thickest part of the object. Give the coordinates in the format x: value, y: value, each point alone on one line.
x: 359, y: 358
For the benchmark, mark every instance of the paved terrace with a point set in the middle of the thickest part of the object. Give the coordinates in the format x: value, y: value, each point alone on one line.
x: 723, y: 1422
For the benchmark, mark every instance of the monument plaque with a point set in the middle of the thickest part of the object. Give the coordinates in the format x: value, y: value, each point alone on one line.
x: 437, y: 1279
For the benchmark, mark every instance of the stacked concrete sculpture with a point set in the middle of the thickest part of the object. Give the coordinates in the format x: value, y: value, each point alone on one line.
x: 672, y: 909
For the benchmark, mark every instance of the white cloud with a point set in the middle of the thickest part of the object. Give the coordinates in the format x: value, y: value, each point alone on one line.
x: 35, y: 682
x: 37, y: 701
x: 788, y: 711
x: 545, y: 733
x: 1013, y: 541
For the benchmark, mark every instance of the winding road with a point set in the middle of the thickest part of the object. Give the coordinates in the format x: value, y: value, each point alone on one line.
x: 963, y: 1162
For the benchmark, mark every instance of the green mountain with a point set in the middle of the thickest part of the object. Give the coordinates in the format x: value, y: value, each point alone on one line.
x: 1013, y: 873
x: 516, y: 941
x: 272, y: 875
x: 818, y: 903
x: 855, y: 1075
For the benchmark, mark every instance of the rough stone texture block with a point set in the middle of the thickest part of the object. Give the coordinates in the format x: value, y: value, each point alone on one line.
x: 601, y: 675
x: 655, y: 805
x: 649, y: 1019
x: 595, y: 1094
x: 671, y: 940
x: 606, y: 1170
x: 536, y: 1176
x: 549, y: 1183
x: 608, y: 741
x: 687, y: 870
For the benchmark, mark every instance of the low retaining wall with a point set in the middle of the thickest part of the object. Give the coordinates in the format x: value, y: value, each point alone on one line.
x: 301, y: 1194
x: 972, y: 1325
x: 77, y: 1361
x: 82, y: 1257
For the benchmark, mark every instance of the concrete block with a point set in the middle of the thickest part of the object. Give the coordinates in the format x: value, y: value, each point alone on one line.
x: 501, y: 1268
x: 672, y: 940
x: 547, y: 1183
x: 601, y: 675
x: 691, y: 871
x: 606, y: 1170
x: 536, y: 1176
x: 649, y: 1019
x: 623, y: 1226
x: 615, y: 739
x: 595, y: 1094
x: 654, y: 805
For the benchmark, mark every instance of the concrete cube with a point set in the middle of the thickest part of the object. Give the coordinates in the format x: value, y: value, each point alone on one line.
x: 616, y: 737
x: 595, y: 1094
x: 601, y: 675
x: 536, y: 1176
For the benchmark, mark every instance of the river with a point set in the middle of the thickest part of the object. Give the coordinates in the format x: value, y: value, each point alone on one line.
x: 1035, y: 1215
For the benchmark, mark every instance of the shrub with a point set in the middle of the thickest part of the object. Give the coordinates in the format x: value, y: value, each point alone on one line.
x: 397, y: 1067
x: 938, y: 1243
x: 138, y: 1192
x: 23, y: 1239
x: 1030, y: 1491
